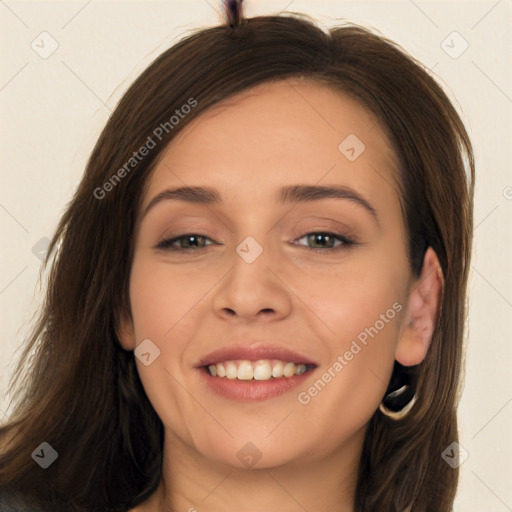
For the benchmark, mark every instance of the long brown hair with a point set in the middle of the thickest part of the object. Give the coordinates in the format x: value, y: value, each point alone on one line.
x: 78, y: 390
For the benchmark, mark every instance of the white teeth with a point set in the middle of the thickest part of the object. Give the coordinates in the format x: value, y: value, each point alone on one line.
x: 245, y: 371
x: 277, y: 369
x: 231, y: 370
x: 262, y: 369
x: 289, y: 370
x: 221, y: 371
x: 301, y: 368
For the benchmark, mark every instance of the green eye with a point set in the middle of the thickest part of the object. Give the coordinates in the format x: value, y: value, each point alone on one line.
x: 168, y: 243
x: 316, y: 237
x: 194, y: 242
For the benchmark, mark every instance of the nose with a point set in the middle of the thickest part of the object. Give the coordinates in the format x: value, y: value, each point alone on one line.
x: 254, y: 287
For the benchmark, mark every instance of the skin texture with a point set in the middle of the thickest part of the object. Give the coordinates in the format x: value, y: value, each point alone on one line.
x: 314, y: 302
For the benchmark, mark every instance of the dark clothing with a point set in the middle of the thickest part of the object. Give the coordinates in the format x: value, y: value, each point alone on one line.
x: 19, y: 503
x: 12, y: 503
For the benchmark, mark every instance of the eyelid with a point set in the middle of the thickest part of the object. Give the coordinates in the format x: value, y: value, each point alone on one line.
x: 166, y: 244
x: 346, y: 240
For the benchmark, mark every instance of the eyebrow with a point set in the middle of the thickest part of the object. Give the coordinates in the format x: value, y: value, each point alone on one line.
x: 288, y: 194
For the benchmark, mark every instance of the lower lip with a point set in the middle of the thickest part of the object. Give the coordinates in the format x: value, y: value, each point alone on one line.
x: 250, y: 390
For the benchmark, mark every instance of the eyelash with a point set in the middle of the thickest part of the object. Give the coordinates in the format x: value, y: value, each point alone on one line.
x: 167, y: 243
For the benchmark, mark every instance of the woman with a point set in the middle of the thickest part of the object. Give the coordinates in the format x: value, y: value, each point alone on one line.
x: 257, y: 299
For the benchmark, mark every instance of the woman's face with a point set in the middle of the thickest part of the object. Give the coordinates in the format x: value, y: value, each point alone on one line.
x: 261, y: 272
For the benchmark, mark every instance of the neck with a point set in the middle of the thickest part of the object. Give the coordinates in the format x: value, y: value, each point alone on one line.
x: 191, y: 482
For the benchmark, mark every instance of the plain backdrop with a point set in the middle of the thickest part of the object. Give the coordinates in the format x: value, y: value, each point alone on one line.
x: 53, y: 106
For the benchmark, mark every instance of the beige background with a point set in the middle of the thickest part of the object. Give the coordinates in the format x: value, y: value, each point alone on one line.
x: 53, y: 108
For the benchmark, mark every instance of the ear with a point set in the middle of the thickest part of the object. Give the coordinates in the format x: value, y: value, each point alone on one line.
x: 125, y: 330
x: 422, y: 312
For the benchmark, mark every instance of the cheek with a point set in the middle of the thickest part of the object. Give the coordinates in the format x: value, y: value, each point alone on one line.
x: 163, y: 297
x: 365, y: 290
x: 362, y: 306
x: 162, y: 303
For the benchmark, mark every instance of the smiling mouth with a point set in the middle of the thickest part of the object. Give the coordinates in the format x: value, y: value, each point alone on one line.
x: 262, y: 369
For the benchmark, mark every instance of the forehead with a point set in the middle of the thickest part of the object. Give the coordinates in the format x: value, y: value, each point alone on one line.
x: 277, y: 134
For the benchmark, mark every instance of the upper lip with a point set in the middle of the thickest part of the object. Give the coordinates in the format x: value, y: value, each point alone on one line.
x: 253, y: 353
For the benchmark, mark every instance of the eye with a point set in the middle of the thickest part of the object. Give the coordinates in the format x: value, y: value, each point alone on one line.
x: 195, y: 242
x: 194, y: 239
x: 330, y: 238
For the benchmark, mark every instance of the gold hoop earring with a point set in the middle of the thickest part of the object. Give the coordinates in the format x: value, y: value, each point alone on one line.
x: 401, y: 393
x: 392, y: 397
